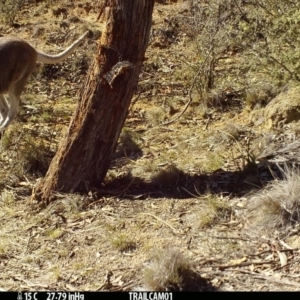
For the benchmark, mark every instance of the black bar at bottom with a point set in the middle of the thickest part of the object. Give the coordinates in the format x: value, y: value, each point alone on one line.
x: 88, y: 295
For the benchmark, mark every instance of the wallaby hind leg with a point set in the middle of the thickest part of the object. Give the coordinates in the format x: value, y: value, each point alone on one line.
x: 14, y: 104
x: 14, y: 92
x: 4, y: 108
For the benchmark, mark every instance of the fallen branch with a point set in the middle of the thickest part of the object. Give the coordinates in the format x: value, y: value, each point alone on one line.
x: 164, y: 222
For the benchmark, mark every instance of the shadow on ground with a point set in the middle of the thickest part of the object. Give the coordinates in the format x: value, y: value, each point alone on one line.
x: 177, y: 184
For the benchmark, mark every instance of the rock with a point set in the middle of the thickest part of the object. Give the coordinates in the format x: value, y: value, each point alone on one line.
x: 283, y: 109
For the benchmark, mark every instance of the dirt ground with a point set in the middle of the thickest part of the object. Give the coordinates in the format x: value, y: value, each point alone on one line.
x: 173, y: 190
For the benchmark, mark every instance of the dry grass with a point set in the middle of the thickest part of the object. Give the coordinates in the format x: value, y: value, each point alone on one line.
x: 211, y: 209
x: 123, y: 242
x: 278, y: 204
x: 128, y: 143
x: 7, y: 197
x: 170, y: 271
x: 10, y: 8
x: 155, y: 116
x: 30, y: 151
x: 168, y: 175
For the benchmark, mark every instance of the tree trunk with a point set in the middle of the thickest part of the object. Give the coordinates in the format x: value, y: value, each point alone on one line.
x: 84, y: 156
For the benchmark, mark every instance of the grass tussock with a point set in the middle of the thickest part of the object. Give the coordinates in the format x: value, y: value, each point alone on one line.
x: 29, y: 152
x: 211, y: 210
x: 155, y: 116
x: 278, y: 205
x: 9, y: 9
x: 128, y: 144
x: 123, y: 243
x: 169, y: 175
x: 7, y: 197
x: 169, y: 270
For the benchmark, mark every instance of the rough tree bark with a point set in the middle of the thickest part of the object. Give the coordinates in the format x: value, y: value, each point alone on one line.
x: 84, y: 155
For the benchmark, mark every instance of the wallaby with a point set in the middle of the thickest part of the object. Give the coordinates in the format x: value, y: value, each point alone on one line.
x: 17, y: 61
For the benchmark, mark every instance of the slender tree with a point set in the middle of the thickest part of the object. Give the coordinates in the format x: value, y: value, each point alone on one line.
x: 85, y: 153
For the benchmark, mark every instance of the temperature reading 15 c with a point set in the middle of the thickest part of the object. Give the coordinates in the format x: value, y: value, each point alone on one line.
x: 30, y: 296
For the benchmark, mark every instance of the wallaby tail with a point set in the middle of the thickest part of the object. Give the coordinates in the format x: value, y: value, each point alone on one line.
x: 54, y: 59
